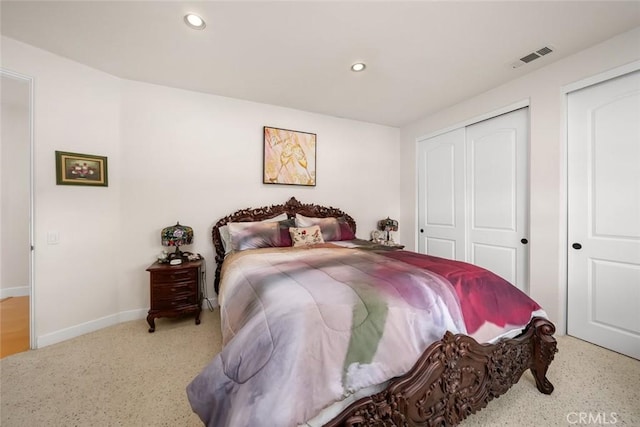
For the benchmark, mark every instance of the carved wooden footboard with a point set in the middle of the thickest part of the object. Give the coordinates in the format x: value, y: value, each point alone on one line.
x: 454, y: 378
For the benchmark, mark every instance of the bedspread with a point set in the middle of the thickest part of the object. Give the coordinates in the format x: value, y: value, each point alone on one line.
x: 304, y: 328
x: 491, y: 306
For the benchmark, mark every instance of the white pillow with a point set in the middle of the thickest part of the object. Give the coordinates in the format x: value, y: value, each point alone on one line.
x: 226, y: 237
x: 306, y: 236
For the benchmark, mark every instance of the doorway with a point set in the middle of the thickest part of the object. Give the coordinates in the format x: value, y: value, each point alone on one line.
x: 16, y: 215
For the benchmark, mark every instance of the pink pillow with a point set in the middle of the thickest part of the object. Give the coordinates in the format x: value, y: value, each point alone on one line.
x: 253, y: 235
x: 332, y: 228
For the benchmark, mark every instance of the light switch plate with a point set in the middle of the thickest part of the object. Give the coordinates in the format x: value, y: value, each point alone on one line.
x: 53, y: 238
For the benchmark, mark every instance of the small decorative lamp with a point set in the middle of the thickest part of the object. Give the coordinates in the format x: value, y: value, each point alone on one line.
x: 176, y: 235
x: 388, y: 225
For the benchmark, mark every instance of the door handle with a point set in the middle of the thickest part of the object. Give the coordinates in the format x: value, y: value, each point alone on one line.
x: 576, y: 246
x: 422, y: 230
x: 524, y: 241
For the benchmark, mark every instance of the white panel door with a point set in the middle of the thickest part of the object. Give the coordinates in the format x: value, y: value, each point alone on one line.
x: 497, y: 185
x: 604, y: 214
x: 441, y: 195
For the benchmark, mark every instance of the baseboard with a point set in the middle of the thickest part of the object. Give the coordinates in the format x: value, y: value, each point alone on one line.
x: 207, y: 301
x: 91, y: 326
x: 126, y: 316
x: 18, y: 291
x: 97, y: 324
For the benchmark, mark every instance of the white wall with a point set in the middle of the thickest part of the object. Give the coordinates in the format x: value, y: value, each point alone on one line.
x: 172, y: 155
x: 179, y: 155
x: 194, y: 158
x: 543, y: 89
x: 76, y: 109
x: 14, y: 171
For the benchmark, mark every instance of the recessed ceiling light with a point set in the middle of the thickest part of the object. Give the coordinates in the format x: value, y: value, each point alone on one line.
x: 194, y: 21
x: 358, y: 66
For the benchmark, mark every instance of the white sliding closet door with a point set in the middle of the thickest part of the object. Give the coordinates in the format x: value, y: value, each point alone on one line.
x: 497, y: 186
x: 604, y: 214
x: 473, y: 195
x: 441, y: 196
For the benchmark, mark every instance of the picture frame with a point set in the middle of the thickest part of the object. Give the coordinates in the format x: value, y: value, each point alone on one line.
x: 81, y: 169
x: 289, y: 157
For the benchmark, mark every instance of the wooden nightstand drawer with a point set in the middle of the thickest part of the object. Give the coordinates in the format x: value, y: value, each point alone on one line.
x: 168, y: 290
x: 174, y: 276
x: 176, y: 302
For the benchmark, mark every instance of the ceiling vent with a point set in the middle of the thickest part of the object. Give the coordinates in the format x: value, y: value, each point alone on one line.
x: 532, y: 56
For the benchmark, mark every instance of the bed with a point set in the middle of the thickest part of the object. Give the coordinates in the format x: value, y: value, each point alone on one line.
x: 347, y: 333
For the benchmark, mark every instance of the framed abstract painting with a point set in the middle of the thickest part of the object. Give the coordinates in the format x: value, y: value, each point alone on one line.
x: 289, y: 157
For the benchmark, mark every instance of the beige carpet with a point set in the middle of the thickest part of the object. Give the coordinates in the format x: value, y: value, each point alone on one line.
x: 124, y: 376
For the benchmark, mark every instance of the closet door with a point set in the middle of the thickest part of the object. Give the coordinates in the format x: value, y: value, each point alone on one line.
x: 497, y: 185
x: 473, y: 195
x: 604, y: 214
x: 441, y: 194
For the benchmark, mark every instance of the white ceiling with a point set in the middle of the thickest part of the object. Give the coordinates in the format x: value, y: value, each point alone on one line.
x: 421, y: 56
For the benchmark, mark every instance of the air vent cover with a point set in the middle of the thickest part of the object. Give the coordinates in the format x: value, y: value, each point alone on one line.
x: 529, y: 58
x: 532, y: 56
x: 544, y: 51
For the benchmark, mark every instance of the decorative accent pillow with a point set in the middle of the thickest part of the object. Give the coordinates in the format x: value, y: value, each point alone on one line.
x: 306, y: 236
x: 226, y: 238
x: 253, y: 235
x: 332, y: 228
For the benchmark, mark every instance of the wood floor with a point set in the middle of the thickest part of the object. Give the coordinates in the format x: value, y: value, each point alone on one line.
x: 14, y: 325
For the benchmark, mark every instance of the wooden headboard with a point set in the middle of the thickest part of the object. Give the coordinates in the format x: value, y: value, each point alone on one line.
x: 291, y: 208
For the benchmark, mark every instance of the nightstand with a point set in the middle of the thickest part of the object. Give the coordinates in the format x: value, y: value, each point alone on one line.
x: 175, y: 290
x: 394, y: 246
x: 389, y: 246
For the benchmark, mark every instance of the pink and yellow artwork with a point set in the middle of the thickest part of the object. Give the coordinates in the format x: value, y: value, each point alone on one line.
x: 289, y: 157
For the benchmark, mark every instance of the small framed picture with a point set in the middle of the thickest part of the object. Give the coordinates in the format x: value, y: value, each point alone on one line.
x: 81, y: 169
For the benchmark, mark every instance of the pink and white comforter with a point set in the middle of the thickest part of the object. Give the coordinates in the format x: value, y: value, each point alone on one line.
x: 304, y: 328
